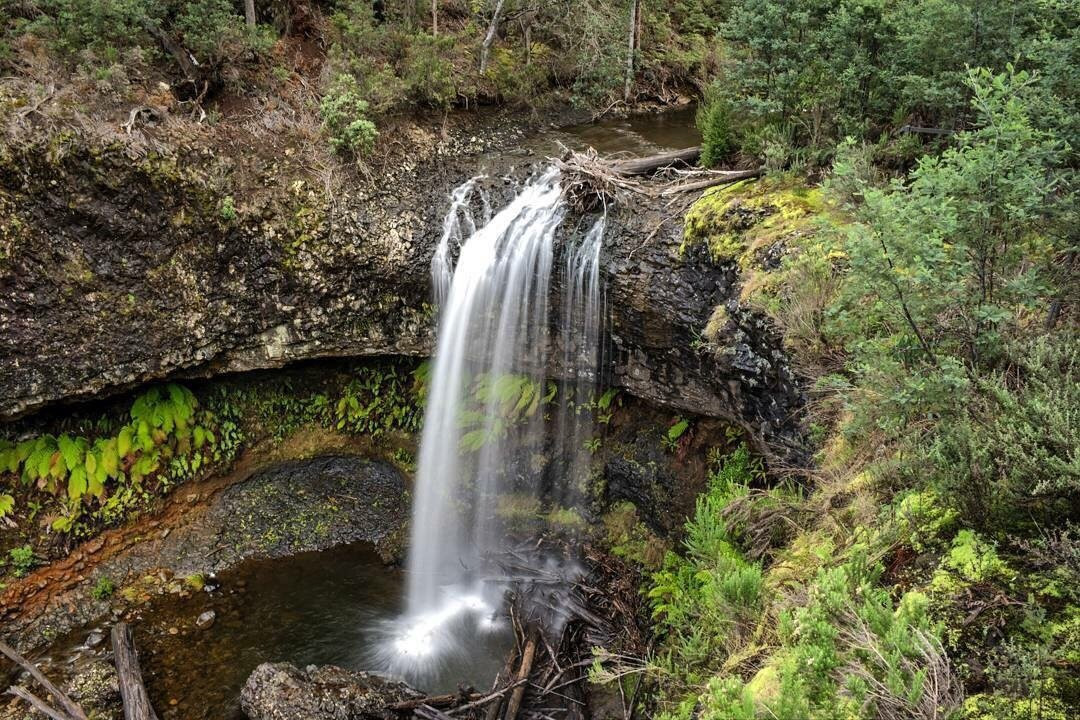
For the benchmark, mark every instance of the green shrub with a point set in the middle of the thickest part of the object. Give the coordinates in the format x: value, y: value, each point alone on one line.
x: 344, y: 114
x: 103, y: 589
x: 105, y: 474
x: 1013, y: 453
x: 21, y: 559
x: 212, y: 30
x: 429, y: 78
x: 718, y: 141
x: 707, y: 602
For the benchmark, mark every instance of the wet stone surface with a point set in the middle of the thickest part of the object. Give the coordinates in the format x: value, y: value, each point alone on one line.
x: 289, y: 508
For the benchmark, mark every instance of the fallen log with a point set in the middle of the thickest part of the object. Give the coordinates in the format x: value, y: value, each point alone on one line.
x: 136, y: 702
x: 720, y: 177
x: 37, y: 703
x: 527, y: 656
x: 652, y: 163
x: 436, y: 701
x: 69, y: 708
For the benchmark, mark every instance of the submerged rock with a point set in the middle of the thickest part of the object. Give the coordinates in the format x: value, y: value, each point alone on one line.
x: 280, y: 691
x: 96, y: 687
x: 205, y: 620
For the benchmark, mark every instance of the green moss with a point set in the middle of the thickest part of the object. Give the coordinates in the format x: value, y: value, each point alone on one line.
x: 734, y: 221
x: 629, y: 538
x: 999, y: 707
x: 924, y: 520
x: 103, y: 588
x: 566, y: 518
x: 970, y: 559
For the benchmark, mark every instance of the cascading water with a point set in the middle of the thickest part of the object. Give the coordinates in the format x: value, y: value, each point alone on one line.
x: 580, y: 330
x: 494, y: 305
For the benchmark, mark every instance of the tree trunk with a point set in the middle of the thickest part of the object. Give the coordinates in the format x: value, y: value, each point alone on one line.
x: 434, y: 18
x: 720, y: 178
x: 631, y: 46
x: 490, y: 37
x: 527, y: 656
x: 652, y: 163
x: 179, y: 53
x: 249, y: 12
x: 136, y: 701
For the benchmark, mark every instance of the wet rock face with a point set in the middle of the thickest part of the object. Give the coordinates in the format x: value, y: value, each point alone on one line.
x: 280, y: 691
x: 115, y: 272
x: 292, y: 507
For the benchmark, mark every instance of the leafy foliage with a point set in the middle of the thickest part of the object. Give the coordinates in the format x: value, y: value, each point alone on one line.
x: 344, y: 113
x: 105, y: 475
x: 21, y: 559
x: 805, y: 74
x: 212, y: 30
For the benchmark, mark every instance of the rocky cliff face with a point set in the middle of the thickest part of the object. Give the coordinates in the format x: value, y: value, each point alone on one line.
x: 117, y: 270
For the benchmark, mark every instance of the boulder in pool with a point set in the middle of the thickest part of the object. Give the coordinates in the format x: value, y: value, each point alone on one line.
x: 280, y: 691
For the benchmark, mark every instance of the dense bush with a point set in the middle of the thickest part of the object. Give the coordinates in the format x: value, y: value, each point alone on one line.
x: 344, y: 113
x: 822, y: 70
x: 951, y: 275
x: 212, y: 30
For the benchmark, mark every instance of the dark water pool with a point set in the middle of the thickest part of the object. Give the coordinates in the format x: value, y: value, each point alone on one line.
x: 639, y: 134
x: 313, y: 608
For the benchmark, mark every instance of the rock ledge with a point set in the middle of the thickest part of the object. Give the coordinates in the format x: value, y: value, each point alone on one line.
x: 281, y: 691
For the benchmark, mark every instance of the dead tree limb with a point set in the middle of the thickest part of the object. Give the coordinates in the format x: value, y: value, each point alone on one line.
x: 184, y: 59
x: 436, y: 701
x: 719, y: 178
x: 493, y: 28
x: 489, y: 698
x: 136, y: 701
x: 37, y: 703
x: 652, y: 163
x: 527, y: 656
x: 62, y: 700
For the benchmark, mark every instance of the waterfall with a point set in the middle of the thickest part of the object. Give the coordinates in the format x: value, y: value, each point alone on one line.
x: 581, y: 356
x: 492, y: 343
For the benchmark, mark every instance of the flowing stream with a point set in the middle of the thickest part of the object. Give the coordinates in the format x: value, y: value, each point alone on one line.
x: 484, y: 413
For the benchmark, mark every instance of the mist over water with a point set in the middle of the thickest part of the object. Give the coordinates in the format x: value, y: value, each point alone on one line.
x: 494, y: 317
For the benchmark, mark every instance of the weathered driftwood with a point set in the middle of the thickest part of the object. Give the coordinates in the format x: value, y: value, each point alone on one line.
x: 436, y: 701
x: 67, y: 708
x: 37, y: 703
x: 136, y: 702
x: 717, y: 177
x: 652, y: 163
x: 527, y: 656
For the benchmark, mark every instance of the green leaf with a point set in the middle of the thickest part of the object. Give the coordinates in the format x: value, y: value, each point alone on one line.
x: 676, y: 431
x: 77, y: 483
x: 145, y: 439
x: 474, y: 440
x: 123, y: 441
x: 63, y: 523
x: 7, y: 504
x: 96, y: 481
x: 110, y: 458
x: 91, y: 463
x: 70, y: 449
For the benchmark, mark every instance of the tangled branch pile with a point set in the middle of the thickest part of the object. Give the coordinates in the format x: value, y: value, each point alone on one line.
x: 592, y: 181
